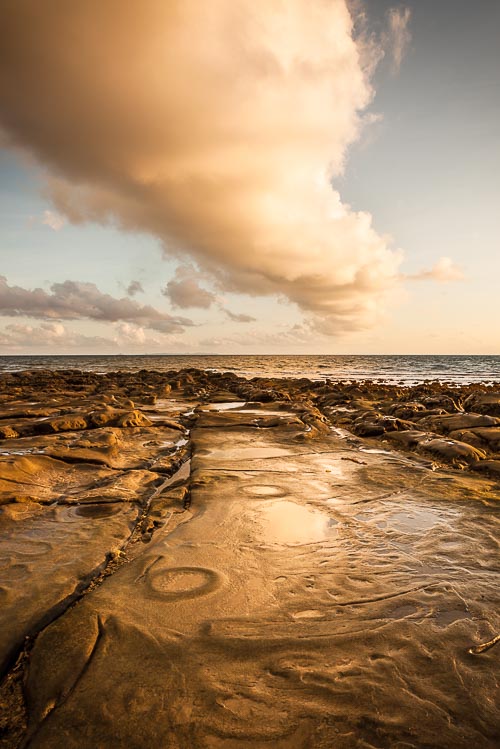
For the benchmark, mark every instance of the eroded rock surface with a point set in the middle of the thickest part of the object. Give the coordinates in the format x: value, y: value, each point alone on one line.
x: 237, y: 569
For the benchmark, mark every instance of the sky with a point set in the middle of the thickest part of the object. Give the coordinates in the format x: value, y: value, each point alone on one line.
x: 294, y: 176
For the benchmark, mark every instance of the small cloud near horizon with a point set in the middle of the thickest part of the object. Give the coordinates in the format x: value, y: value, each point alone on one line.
x: 238, y: 317
x: 444, y: 271
x: 54, y: 220
x: 48, y: 218
x: 184, y: 290
x: 77, y: 300
x: 135, y: 287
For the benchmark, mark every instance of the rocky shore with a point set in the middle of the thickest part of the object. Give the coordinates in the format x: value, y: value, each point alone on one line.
x: 454, y: 425
x: 193, y: 559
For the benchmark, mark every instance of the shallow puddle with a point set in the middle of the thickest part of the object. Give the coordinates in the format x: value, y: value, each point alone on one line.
x: 265, y: 490
x: 97, y: 511
x: 401, y: 612
x: 444, y: 618
x: 26, y: 451
x: 247, y: 453
x: 414, y: 520
x: 342, y: 434
x: 408, y: 521
x: 262, y: 412
x: 335, y: 468
x: 308, y: 614
x: 167, y: 404
x: 223, y: 406
x: 286, y: 522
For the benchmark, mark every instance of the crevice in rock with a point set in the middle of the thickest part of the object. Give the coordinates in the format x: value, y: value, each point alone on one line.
x: 375, y: 599
x: 64, y: 697
x: 13, y: 709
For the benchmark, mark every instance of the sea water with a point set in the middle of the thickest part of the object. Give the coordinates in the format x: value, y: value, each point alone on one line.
x: 394, y: 369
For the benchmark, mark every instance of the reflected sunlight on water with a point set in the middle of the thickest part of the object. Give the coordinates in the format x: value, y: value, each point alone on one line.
x: 391, y: 369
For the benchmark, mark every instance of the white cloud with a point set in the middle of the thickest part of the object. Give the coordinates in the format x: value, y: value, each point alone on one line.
x: 444, y: 271
x: 184, y: 290
x: 54, y: 220
x: 130, y: 333
x: 54, y: 337
x: 398, y: 37
x: 48, y: 337
x: 238, y: 316
x: 284, y: 338
x: 73, y: 300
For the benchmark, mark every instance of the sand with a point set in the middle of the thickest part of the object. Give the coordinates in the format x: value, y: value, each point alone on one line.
x: 197, y: 560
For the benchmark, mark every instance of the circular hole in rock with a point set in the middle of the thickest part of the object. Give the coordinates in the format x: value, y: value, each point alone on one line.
x: 97, y: 511
x: 183, y: 582
x: 265, y: 490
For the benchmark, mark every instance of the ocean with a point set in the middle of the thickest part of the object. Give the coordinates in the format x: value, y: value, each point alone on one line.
x: 393, y: 369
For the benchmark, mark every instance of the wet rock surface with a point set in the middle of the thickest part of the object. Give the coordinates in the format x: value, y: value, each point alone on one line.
x: 192, y: 559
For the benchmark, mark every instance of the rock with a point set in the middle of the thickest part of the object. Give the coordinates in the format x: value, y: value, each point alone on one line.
x: 148, y: 400
x: 263, y: 618
x: 119, y: 418
x: 406, y: 410
x: 451, y: 451
x: 133, y: 419
x: 441, y: 401
x: 102, y: 417
x: 67, y: 423
x: 488, y: 435
x: 369, y: 428
x: 466, y: 435
x: 57, y: 552
x: 8, y: 433
x: 484, y: 403
x: 224, y: 396
x: 170, y: 424
x: 362, y: 404
x: 408, y: 439
x: 489, y: 467
x: 266, y: 396
x: 464, y: 421
x: 169, y: 502
x: 374, y: 425
x: 44, y: 479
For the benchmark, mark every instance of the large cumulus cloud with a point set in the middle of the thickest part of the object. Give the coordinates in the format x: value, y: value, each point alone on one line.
x: 216, y: 126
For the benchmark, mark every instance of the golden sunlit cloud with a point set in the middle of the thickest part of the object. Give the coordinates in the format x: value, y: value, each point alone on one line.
x: 53, y: 220
x: 74, y: 300
x: 398, y: 37
x: 443, y: 271
x: 217, y: 127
